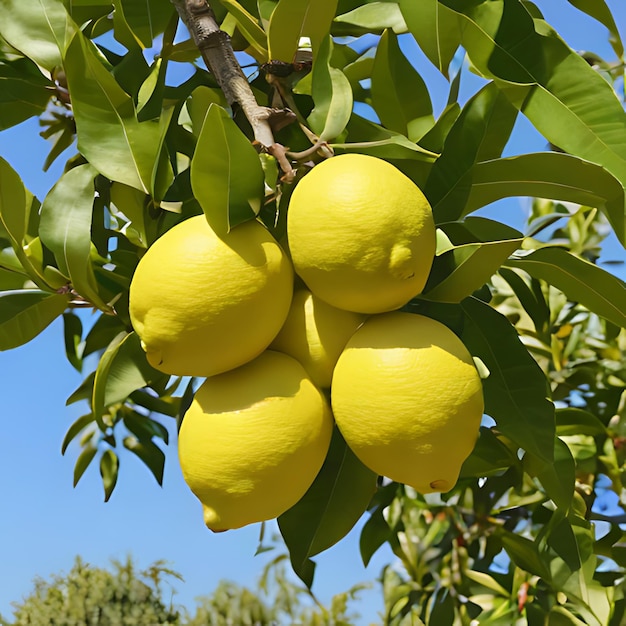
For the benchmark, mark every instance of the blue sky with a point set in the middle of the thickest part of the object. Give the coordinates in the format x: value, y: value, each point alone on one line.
x: 45, y: 522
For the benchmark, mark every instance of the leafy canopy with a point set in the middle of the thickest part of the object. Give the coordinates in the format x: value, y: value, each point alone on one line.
x: 147, y: 146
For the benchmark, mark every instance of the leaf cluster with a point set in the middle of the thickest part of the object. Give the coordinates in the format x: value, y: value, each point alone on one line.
x: 146, y: 148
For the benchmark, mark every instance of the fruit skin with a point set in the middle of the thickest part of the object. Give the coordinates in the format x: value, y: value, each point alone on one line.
x: 361, y: 234
x: 253, y: 441
x: 204, y: 304
x: 408, y: 400
x: 315, y: 333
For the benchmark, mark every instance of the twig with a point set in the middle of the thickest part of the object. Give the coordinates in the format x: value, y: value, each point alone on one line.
x: 217, y: 52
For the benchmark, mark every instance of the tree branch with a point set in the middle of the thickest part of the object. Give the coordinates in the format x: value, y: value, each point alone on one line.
x: 217, y: 52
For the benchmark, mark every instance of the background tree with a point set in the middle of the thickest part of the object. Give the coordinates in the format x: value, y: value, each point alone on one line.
x: 519, y: 536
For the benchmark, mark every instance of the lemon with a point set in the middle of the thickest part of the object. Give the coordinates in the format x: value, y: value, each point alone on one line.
x: 408, y: 400
x: 253, y: 441
x: 203, y: 304
x: 315, y: 333
x: 361, y: 234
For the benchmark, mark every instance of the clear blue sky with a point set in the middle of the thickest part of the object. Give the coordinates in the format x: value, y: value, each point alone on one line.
x: 45, y: 522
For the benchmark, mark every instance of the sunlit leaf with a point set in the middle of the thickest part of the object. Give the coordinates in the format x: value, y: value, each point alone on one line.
x: 24, y: 314
x: 331, y: 506
x: 293, y: 19
x: 373, y: 17
x: 65, y: 229
x: 599, y: 10
x: 399, y: 95
x: 332, y: 96
x: 435, y: 28
x: 109, y: 134
x: 226, y: 174
x: 82, y: 462
x: 40, y: 29
x: 581, y: 281
x: 142, y: 21
x: 516, y: 388
x: 75, y: 429
x: 478, y: 248
x: 566, y: 100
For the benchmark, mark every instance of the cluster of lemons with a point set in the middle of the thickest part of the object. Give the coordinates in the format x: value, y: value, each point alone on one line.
x: 403, y: 388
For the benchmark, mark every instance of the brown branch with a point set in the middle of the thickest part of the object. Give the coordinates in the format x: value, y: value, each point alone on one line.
x: 217, y: 52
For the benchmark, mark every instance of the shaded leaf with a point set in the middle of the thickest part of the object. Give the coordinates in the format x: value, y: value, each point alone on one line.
x: 144, y: 427
x: 547, y: 175
x: 247, y: 24
x: 23, y: 93
x: 331, y: 94
x: 109, y: 134
x: 72, y: 335
x: 76, y: 428
x: 109, y: 466
x: 150, y: 454
x: 226, y: 174
x: 557, y: 477
x: 399, y: 95
x: 143, y: 21
x: 480, y: 133
x: 374, y: 534
x: 524, y: 553
x: 83, y: 461
x: 516, y: 393
x: 329, y: 509
x: 530, y: 296
x: 572, y: 421
x: 435, y: 28
x: 581, y: 281
x: 25, y: 313
x: 477, y: 248
x: 490, y: 456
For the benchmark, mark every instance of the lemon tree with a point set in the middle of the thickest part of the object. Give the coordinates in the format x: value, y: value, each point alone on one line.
x: 341, y: 163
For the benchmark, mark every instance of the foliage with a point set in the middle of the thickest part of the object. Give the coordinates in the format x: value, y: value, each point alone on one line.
x: 94, y: 596
x: 521, y: 537
x: 90, y: 595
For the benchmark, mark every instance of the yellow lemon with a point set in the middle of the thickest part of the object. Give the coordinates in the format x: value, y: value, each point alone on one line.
x: 203, y: 304
x: 315, y: 333
x: 408, y: 400
x: 253, y: 441
x: 361, y: 234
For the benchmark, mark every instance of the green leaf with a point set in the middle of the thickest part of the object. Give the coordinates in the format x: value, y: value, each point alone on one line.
x: 144, y: 427
x: 150, y: 454
x: 558, y: 476
x: 83, y: 461
x: 581, y: 281
x: 572, y: 421
x: 226, y: 174
x: 599, y: 10
x: 331, y: 94
x: 15, y: 208
x: 40, y: 29
x: 25, y: 313
x: 374, y: 534
x: 331, y: 506
x: 489, y: 457
x: 372, y: 17
x: 122, y: 369
x: 530, y: 296
x: 566, y: 100
x: 137, y: 22
x: 293, y: 19
x: 547, y: 175
x: 22, y: 93
x: 247, y: 24
x: 435, y: 28
x: 109, y: 134
x: 477, y: 248
x: 524, y: 553
x: 65, y: 229
x: 399, y: 95
x: 109, y: 466
x: 516, y: 388
x: 77, y: 427
x: 480, y: 133
x: 72, y: 335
